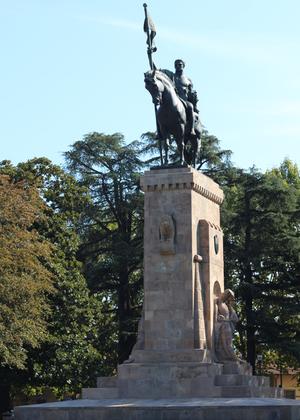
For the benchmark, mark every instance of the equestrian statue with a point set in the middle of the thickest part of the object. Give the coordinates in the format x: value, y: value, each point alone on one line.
x: 175, y: 104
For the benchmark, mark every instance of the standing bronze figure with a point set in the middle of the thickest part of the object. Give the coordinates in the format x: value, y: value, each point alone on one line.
x: 175, y: 104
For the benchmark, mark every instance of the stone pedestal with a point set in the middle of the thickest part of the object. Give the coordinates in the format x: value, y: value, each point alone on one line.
x: 182, y: 219
x: 183, y: 270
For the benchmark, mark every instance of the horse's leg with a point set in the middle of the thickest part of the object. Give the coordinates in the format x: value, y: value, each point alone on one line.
x: 179, y: 138
x: 180, y: 147
x: 182, y: 143
x: 196, y: 140
x: 167, y: 143
x: 194, y: 150
x: 196, y: 147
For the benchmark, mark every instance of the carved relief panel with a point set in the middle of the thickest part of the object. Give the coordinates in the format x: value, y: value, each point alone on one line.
x: 167, y: 233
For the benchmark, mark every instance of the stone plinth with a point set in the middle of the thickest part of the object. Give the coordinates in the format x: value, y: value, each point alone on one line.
x: 165, y: 409
x: 182, y: 219
x: 168, y: 380
x: 183, y: 276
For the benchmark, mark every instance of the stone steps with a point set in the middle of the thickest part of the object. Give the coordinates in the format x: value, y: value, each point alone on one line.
x: 226, y: 386
x: 237, y: 368
x: 238, y: 380
x: 107, y: 388
x: 170, y: 356
x: 171, y: 409
x: 245, y: 391
x: 167, y: 380
x: 107, y: 381
x: 99, y: 393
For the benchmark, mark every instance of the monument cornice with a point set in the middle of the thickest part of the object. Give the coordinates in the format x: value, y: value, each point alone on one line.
x: 181, y: 179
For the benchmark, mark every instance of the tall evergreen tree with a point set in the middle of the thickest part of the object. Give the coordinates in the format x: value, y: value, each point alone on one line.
x: 262, y: 244
x: 112, y: 230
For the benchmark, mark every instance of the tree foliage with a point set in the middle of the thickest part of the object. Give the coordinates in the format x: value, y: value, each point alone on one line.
x: 73, y: 351
x: 212, y: 160
x: 25, y: 275
x: 112, y: 230
x: 71, y: 251
x: 262, y: 248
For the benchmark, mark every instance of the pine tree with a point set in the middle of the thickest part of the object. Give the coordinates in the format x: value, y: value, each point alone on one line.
x: 262, y: 244
x: 112, y: 230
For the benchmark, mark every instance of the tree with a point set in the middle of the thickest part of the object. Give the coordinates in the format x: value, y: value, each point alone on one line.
x: 26, y: 280
x: 76, y: 348
x: 261, y: 224
x: 213, y: 160
x: 112, y: 230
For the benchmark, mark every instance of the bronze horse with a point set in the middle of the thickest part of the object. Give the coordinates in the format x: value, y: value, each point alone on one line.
x: 172, y: 119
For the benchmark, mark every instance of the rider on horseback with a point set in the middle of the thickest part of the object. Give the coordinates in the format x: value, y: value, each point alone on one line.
x: 184, y: 89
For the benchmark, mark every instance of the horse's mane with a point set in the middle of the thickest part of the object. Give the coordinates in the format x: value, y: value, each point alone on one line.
x: 163, y: 77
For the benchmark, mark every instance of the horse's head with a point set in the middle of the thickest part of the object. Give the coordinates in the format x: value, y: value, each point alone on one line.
x: 154, y: 86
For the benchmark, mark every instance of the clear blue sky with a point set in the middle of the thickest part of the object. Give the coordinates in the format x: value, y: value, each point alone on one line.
x: 70, y: 67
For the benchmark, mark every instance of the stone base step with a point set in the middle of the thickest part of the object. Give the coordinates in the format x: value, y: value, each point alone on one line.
x: 99, y: 393
x: 250, y: 392
x: 237, y: 380
x: 168, y: 356
x: 107, y: 381
x: 205, y: 389
x: 167, y: 409
x: 237, y: 367
x: 168, y: 380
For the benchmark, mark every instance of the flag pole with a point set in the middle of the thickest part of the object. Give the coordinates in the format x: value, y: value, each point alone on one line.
x: 151, y: 50
x: 149, y: 41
